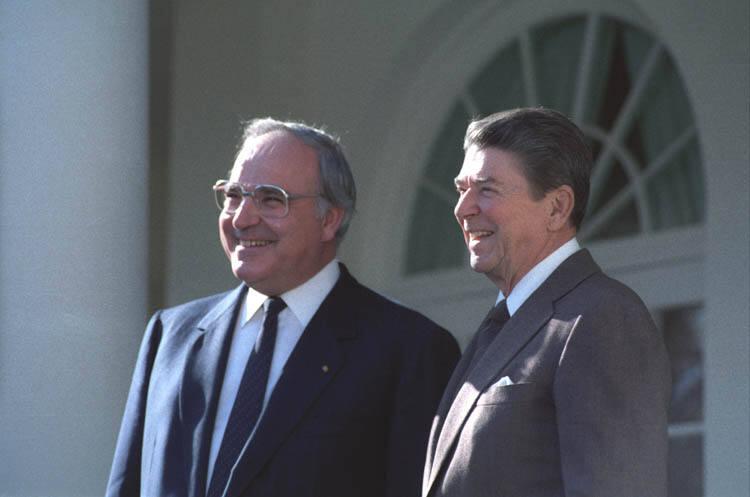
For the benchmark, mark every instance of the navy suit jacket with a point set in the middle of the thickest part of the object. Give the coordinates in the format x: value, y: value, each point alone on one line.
x: 350, y: 415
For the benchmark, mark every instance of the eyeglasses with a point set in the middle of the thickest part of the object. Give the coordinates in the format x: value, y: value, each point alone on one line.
x: 271, y: 201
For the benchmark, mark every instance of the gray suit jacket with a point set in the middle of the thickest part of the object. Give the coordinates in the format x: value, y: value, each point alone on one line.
x: 587, y: 413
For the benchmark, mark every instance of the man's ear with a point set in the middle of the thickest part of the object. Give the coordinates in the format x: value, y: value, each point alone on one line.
x: 561, y: 201
x: 331, y: 222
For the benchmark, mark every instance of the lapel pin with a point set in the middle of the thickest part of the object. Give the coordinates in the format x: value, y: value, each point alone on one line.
x: 325, y: 368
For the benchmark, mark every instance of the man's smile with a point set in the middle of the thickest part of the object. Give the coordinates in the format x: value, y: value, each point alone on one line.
x: 254, y: 243
x: 477, y: 234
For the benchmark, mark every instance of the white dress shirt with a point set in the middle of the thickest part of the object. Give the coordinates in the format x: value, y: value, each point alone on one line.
x: 302, y: 304
x: 538, y: 274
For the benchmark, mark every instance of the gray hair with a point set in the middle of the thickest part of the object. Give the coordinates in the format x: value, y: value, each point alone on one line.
x: 337, y: 186
x: 552, y: 150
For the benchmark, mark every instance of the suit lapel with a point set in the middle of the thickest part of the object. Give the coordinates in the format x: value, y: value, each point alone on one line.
x: 314, y: 362
x: 449, y: 395
x: 525, y: 323
x: 516, y: 333
x: 206, y: 363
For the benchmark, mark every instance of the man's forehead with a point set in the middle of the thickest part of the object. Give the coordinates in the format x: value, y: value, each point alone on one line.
x: 268, y: 145
x: 486, y: 165
x: 476, y: 178
x: 475, y: 167
x: 275, y: 150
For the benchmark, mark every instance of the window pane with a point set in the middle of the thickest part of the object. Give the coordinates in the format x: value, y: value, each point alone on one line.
x: 622, y: 223
x: 437, y: 243
x: 434, y: 240
x: 447, y: 153
x: 499, y: 85
x: 682, y: 328
x: 611, y: 81
x: 557, y: 55
x: 676, y: 192
x: 683, y: 335
x: 598, y: 77
x: 686, y: 466
x: 614, y: 182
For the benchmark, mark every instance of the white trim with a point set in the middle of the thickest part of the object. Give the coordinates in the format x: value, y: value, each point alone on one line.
x: 681, y: 430
x: 679, y: 251
x: 585, y: 67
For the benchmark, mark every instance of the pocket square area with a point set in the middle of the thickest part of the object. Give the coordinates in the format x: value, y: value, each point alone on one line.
x: 504, y: 381
x: 498, y: 394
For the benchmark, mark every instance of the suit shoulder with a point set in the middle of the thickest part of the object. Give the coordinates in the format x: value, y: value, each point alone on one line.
x: 192, y: 311
x: 601, y: 288
x: 395, y: 317
x: 400, y: 332
x: 606, y: 303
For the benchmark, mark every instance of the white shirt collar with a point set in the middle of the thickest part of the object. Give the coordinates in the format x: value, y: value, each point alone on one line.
x: 303, y: 300
x: 538, y: 274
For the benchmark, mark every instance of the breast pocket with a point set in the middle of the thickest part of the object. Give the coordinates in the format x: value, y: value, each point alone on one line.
x: 519, y: 392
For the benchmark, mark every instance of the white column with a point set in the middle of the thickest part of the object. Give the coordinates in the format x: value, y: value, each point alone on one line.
x: 73, y: 236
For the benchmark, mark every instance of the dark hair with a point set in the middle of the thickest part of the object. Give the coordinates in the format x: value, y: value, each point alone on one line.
x: 551, y: 149
x: 337, y: 186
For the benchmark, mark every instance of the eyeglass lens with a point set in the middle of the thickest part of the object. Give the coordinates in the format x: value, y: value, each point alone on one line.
x: 270, y: 201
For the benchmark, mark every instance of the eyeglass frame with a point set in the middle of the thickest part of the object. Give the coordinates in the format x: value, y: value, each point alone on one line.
x: 250, y: 191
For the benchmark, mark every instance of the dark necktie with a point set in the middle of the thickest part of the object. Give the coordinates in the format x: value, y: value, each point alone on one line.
x: 488, y: 330
x: 249, y: 401
x: 490, y: 327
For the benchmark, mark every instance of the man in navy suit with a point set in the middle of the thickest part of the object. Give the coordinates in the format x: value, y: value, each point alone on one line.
x: 337, y: 402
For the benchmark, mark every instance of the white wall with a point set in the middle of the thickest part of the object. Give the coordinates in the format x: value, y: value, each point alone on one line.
x: 710, y: 43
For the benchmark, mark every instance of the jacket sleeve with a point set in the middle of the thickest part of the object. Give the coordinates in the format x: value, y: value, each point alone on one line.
x: 611, y: 393
x: 125, y: 475
x: 426, y: 368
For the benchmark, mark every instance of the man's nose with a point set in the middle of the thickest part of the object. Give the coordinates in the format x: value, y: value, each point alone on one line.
x: 246, y: 214
x: 466, y: 205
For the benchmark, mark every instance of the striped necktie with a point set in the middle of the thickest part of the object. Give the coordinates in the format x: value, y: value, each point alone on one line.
x: 249, y: 401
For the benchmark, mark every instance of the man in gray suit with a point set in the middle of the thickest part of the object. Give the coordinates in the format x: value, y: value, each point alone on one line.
x: 564, y: 389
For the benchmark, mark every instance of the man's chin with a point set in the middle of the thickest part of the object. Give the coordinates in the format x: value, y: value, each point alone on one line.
x: 244, y: 273
x: 476, y: 264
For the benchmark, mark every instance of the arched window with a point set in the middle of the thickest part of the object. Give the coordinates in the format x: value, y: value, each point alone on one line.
x: 620, y: 85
